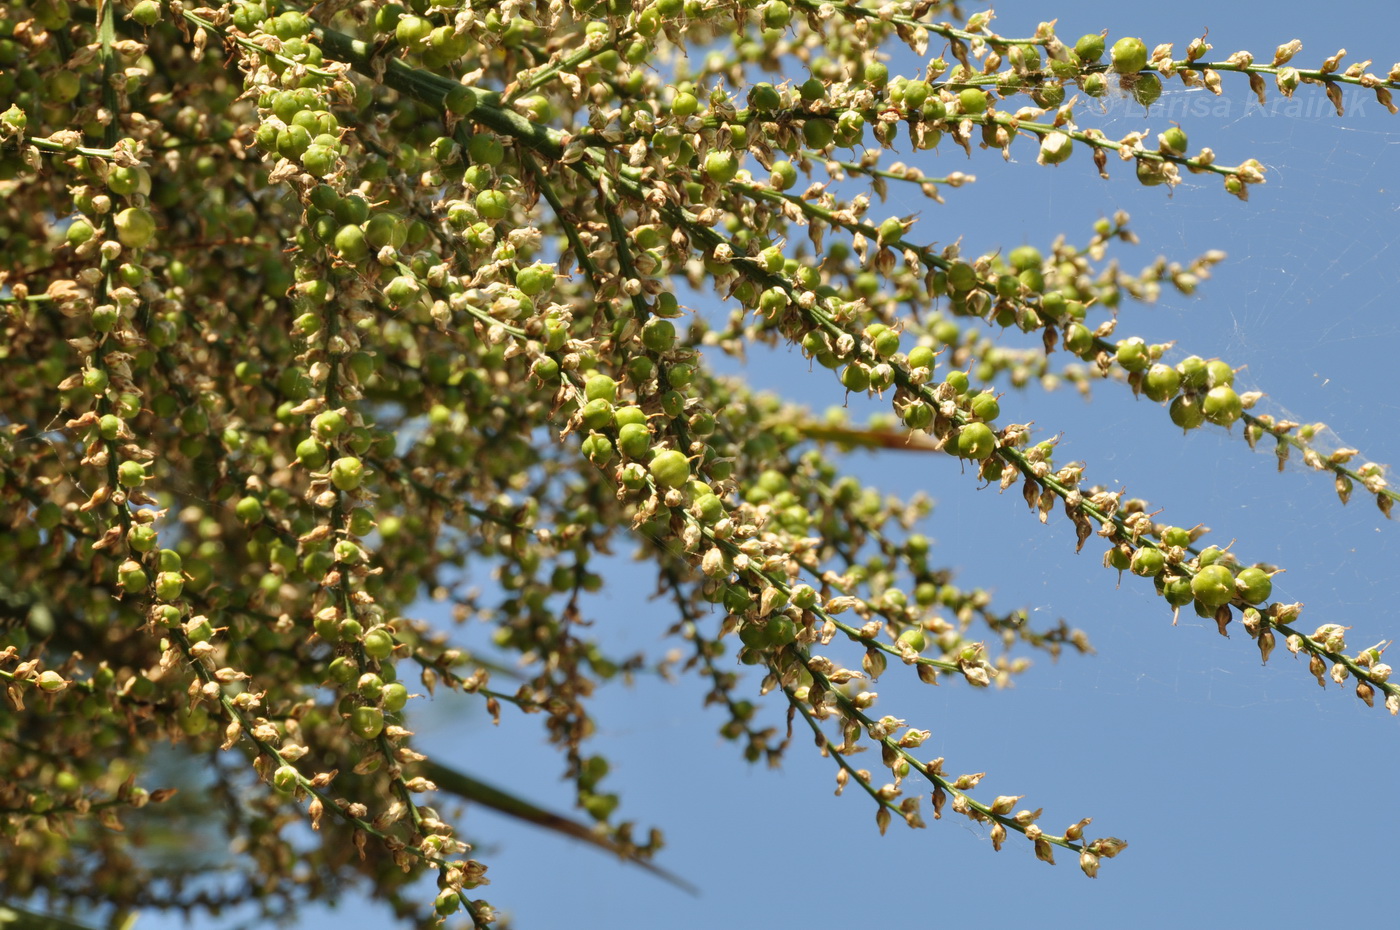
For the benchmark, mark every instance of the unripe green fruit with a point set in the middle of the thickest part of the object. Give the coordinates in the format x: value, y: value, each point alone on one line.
x: 914, y: 639
x: 131, y: 576
x: 329, y: 424
x: 1079, y: 339
x: 1177, y: 591
x: 600, y: 387
x: 312, y: 454
x: 597, y: 414
x: 1194, y: 372
x: 1213, y: 585
x: 669, y: 468
x: 764, y: 96
x: 1148, y: 562
x: 367, y: 722
x: 492, y: 204
x: 1161, y: 382
x: 985, y: 407
x: 1254, y: 585
x: 248, y: 510
x: 1219, y: 373
x: 921, y: 357
x: 1132, y: 355
x: 1089, y: 48
x: 535, y: 279
x: 721, y: 166
x: 141, y: 537
x: 350, y: 242
x: 378, y: 643
x: 285, y: 779
x: 131, y: 474
x: 135, y: 227
x: 1147, y: 89
x: 1186, y: 412
x: 1222, y: 406
x: 818, y: 133
x: 856, y: 377
x: 347, y: 472
x: 393, y: 697
x: 890, y: 230
x: 361, y: 522
x: 597, y: 448
x: 972, y: 100
x: 51, y: 682
x: 1129, y: 56
x: 975, y: 441
x: 169, y: 585
x: 634, y: 440
x: 1173, y: 141
x: 1176, y: 536
x: 957, y: 380
x: 783, y: 175
x: 385, y: 229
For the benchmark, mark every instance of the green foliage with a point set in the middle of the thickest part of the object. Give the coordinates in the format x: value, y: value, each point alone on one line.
x: 309, y: 307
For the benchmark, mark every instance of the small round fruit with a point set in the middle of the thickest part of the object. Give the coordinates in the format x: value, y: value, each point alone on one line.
x: 972, y: 100
x: 378, y: 643
x: 285, y: 779
x: 1148, y: 562
x: 1129, y: 56
x: 347, y: 472
x: 975, y: 441
x: 1254, y: 585
x: 131, y: 474
x: 135, y: 227
x: 1213, y: 585
x: 1132, y: 354
x: 721, y: 166
x: 1186, y: 412
x: 985, y: 407
x: 1089, y: 48
x: 669, y: 468
x: 1161, y: 382
x: 367, y: 722
x: 1222, y: 406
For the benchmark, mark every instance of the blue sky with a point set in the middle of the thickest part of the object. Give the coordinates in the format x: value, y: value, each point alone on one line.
x: 1224, y: 776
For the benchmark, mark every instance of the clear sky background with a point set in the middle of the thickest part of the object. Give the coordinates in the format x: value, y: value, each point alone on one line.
x: 1249, y: 795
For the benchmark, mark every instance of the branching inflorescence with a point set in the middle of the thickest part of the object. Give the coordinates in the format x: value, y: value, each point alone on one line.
x: 318, y: 305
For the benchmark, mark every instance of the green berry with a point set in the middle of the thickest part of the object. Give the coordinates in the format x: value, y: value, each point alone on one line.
x: 721, y: 166
x: 1186, y: 412
x: 1213, y: 585
x: 1219, y: 373
x: 985, y: 407
x: 285, y: 779
x: 1222, y: 406
x: 347, y: 472
x: 634, y: 440
x: 972, y: 100
x: 1089, y: 48
x: 1129, y: 56
x: 1254, y: 585
x: 600, y: 386
x: 975, y: 441
x: 367, y: 722
x: 1161, y: 382
x: 135, y: 227
x: 1194, y: 372
x: 131, y: 474
x: 921, y: 357
x: 1132, y: 354
x: 1148, y: 562
x: 378, y: 643
x: 669, y: 468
